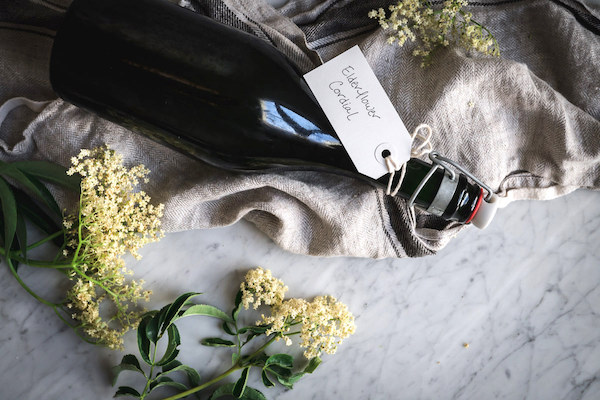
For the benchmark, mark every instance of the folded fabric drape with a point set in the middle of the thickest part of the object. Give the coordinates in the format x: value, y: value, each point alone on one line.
x: 526, y: 123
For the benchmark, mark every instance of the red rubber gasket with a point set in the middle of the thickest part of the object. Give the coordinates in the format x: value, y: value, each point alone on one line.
x: 476, y: 206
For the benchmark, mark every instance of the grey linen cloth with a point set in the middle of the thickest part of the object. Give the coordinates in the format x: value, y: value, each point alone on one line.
x: 526, y: 123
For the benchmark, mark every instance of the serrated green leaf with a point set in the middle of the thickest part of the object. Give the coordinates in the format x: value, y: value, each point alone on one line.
x: 168, y: 367
x: 143, y: 341
x: 9, y: 212
x: 46, y: 196
x: 227, y: 390
x: 129, y: 362
x: 228, y: 329
x: 21, y: 235
x: 49, y: 172
x: 265, y: 379
x: 217, y: 342
x: 278, y: 371
x: 283, y: 360
x: 236, y: 308
x: 34, y: 213
x: 209, y: 311
x: 192, y: 375
x: 222, y: 391
x: 240, y: 385
x: 254, y: 329
x: 152, y: 328
x: 252, y: 394
x: 174, y: 341
x: 289, y: 382
x: 173, y: 311
x: 162, y: 316
x: 127, y: 391
x: 166, y: 381
x: 259, y: 359
x: 33, y: 185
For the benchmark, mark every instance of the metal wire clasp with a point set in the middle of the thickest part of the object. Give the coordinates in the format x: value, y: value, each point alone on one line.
x: 443, y: 162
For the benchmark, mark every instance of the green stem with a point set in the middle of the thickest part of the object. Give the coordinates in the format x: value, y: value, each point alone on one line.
x: 32, y: 263
x: 204, y: 385
x: 42, y: 264
x: 74, y: 328
x: 224, y: 374
x: 46, y: 239
x: 96, y: 282
x: 27, y: 289
x: 144, y: 393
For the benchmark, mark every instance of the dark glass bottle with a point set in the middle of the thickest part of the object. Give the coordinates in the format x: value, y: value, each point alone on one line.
x: 213, y: 92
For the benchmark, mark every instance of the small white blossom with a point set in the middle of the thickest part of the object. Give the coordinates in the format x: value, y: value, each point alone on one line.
x: 112, y: 219
x: 412, y: 19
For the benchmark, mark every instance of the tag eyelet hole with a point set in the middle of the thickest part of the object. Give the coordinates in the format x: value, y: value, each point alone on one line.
x: 385, y: 153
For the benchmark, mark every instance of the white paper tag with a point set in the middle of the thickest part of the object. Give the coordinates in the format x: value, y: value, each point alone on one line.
x: 360, y: 111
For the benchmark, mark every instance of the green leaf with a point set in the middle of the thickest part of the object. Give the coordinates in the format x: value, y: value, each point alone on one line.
x: 265, y: 379
x: 21, y: 234
x: 9, y: 211
x: 176, y: 366
x: 278, y: 371
x: 240, y: 385
x: 49, y: 172
x: 236, y: 309
x: 205, y: 309
x: 46, y: 196
x: 254, y: 329
x: 258, y: 360
x: 309, y: 369
x: 217, y: 342
x: 312, y: 365
x: 252, y: 394
x: 283, y: 360
x: 143, y: 341
x: 172, y: 365
x: 127, y: 391
x: 174, y: 341
x: 173, y: 311
x: 227, y: 390
x: 34, y: 213
x: 128, y: 363
x: 33, y: 185
x: 228, y: 329
x: 235, y: 357
x: 166, y: 381
x: 152, y: 328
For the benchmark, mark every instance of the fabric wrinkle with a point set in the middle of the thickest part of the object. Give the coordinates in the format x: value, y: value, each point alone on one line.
x: 527, y: 123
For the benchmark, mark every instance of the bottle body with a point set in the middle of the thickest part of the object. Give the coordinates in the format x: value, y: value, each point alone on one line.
x: 210, y: 91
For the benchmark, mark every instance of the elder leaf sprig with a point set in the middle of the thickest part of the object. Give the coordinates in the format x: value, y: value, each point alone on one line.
x: 111, y: 219
x: 321, y: 324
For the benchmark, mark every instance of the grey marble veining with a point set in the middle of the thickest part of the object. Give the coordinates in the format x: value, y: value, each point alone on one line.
x: 523, y: 294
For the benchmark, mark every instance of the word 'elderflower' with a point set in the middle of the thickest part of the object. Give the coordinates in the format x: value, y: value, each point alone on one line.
x: 112, y: 220
x: 412, y: 19
x: 325, y: 322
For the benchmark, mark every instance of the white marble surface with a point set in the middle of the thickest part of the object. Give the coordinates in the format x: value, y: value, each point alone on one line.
x: 524, y: 294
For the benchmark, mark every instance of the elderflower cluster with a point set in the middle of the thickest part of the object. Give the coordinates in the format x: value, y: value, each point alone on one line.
x: 325, y: 322
x: 112, y: 220
x: 416, y: 19
x: 260, y: 287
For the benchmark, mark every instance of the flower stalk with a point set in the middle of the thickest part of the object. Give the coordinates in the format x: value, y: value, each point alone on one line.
x: 418, y: 21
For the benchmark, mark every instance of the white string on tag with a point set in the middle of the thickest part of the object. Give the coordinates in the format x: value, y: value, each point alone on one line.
x: 424, y: 147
